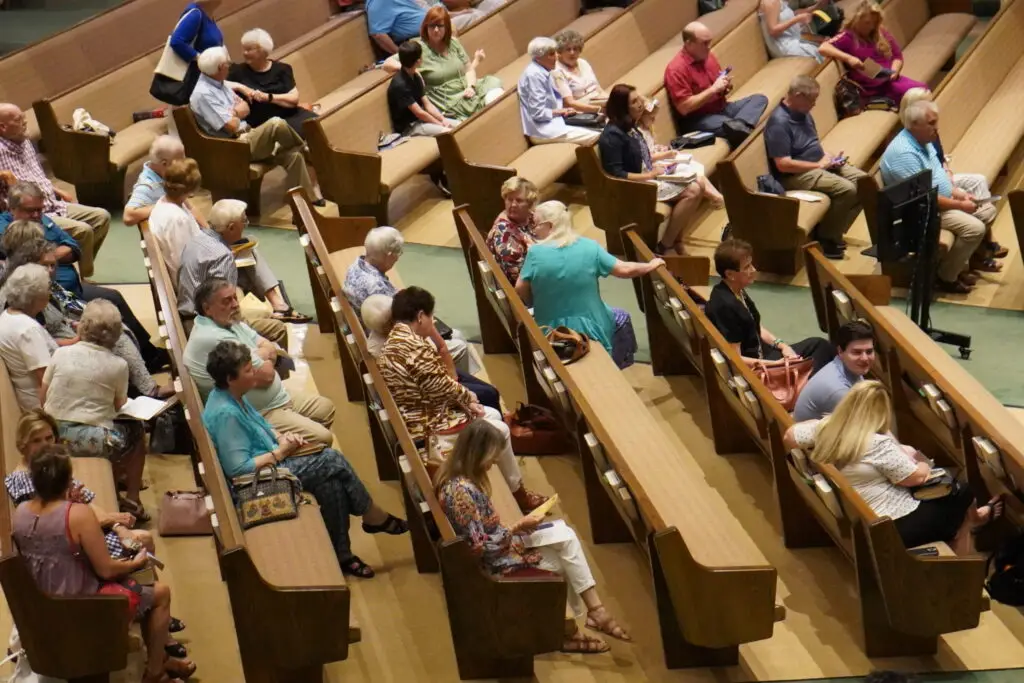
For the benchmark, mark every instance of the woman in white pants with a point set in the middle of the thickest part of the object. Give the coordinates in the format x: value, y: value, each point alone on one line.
x: 463, y: 491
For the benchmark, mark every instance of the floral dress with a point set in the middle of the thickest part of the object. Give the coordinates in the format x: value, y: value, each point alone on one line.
x: 509, y: 242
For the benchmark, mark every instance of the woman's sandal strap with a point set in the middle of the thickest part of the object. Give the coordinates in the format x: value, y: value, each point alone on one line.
x: 392, y: 525
x: 356, y: 567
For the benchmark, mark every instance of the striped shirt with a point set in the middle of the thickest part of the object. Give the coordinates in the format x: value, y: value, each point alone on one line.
x: 20, y: 158
x: 420, y: 384
x: 906, y: 157
x: 204, y: 257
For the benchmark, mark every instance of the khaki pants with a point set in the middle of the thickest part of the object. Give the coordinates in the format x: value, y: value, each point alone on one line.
x: 270, y: 329
x: 276, y: 141
x: 968, y: 232
x: 88, y: 226
x: 307, y: 415
x: 575, y: 134
x: 841, y: 187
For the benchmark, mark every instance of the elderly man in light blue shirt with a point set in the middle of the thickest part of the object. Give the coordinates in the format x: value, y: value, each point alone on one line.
x: 540, y: 104
x: 911, y: 152
x: 149, y: 187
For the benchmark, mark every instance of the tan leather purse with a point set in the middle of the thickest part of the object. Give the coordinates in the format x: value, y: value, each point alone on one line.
x: 786, y: 381
x: 184, y: 513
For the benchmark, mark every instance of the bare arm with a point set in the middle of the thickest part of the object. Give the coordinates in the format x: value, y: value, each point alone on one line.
x: 580, y: 105
x: 524, y: 291
x: 86, y: 530
x: 133, y: 215
x: 830, y: 51
x: 919, y: 476
x: 385, y: 43
x: 771, y: 18
x: 791, y: 165
x: 424, y: 114
x: 695, y: 102
x: 631, y: 269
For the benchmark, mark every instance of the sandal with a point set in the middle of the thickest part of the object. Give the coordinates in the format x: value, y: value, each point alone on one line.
x: 176, y: 625
x: 986, y: 265
x: 179, y: 668
x: 607, y: 626
x: 996, y: 250
x: 582, y: 644
x: 291, y: 316
x: 353, y: 566
x: 159, y: 392
x: 392, y: 525
x: 997, y: 506
x: 134, y: 509
x: 174, y: 649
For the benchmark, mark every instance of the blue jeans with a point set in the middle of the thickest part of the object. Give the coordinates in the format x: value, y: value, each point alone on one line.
x: 486, y: 393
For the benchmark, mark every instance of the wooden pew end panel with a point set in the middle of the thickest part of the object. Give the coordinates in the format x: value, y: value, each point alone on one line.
x: 478, y: 185
x: 352, y: 180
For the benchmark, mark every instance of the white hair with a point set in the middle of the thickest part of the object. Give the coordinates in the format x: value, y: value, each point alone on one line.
x: 384, y: 241
x: 915, y: 112
x: 539, y: 47
x: 259, y: 38
x: 376, y: 313
x: 211, y: 58
x: 27, y: 285
x: 165, y: 148
x: 224, y: 213
x: 558, y: 215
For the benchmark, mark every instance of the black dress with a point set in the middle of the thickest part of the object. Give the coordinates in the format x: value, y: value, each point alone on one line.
x: 277, y: 80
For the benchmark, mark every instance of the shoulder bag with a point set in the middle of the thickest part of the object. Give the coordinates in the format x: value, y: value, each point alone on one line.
x: 184, y: 513
x: 786, y: 381
x: 174, y: 78
x: 536, y: 431
x: 569, y: 345
x: 848, y: 98
x: 271, y: 494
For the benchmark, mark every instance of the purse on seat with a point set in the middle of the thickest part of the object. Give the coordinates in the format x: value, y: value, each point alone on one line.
x: 569, y: 345
x: 786, y: 381
x: 536, y: 431
x: 270, y: 494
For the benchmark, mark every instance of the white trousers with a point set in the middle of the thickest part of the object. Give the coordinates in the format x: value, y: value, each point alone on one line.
x: 973, y: 184
x: 567, y: 560
x: 506, y: 460
x: 424, y: 129
x: 576, y: 134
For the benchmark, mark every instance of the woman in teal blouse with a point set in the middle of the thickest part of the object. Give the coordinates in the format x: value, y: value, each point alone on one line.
x: 560, y: 278
x: 245, y: 441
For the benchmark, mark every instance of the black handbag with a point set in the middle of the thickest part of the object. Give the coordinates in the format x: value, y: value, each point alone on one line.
x: 698, y: 138
x: 768, y: 184
x: 586, y: 120
x: 176, y: 93
x: 831, y: 26
x: 270, y: 494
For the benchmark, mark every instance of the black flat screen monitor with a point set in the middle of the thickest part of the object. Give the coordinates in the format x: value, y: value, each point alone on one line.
x: 901, y: 208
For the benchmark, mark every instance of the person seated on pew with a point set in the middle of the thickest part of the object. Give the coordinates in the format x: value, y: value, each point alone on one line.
x: 697, y: 85
x: 540, y: 104
x: 624, y: 154
x: 974, y: 184
x: 574, y: 77
x: 19, y: 161
x: 84, y: 387
x: 171, y: 223
x: 733, y: 312
x: 246, y: 442
x: 25, y: 347
x: 392, y: 22
x: 463, y: 491
x: 268, y: 85
x: 219, y: 318
x: 63, y: 546
x: 855, y: 352
x: 913, y: 151
x: 149, y: 186
x: 430, y: 400
x: 799, y: 162
x: 221, y: 113
x: 782, y: 28
x: 512, y: 232
x: 560, y: 277
x: 412, y: 113
x: 857, y: 440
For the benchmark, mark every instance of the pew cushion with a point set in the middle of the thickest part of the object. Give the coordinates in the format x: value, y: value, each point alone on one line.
x: 860, y: 136
x: 649, y: 76
x: 986, y: 146
x: 773, y: 79
x: 934, y: 44
x: 403, y: 162
x: 352, y: 89
x: 297, y: 552
x: 134, y: 141
x: 97, y: 475
x: 811, y: 212
x: 544, y: 164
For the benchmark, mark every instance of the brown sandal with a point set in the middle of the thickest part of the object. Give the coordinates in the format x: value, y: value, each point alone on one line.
x: 579, y: 643
x: 607, y: 626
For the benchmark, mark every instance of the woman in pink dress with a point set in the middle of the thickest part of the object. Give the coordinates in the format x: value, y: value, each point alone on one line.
x: 863, y: 38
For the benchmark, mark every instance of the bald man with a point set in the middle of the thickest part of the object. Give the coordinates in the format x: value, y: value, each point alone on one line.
x: 19, y: 161
x: 698, y: 85
x: 149, y: 187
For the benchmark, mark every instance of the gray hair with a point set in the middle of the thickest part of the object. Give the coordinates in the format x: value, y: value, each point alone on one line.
x: 568, y: 38
x: 211, y: 58
x: 804, y: 85
x: 915, y: 113
x: 376, y: 313
x: 27, y: 284
x: 539, y: 47
x: 558, y: 215
x: 384, y: 241
x: 100, y: 323
x: 21, y: 190
x: 166, y: 148
x: 18, y: 233
x: 259, y: 38
x: 224, y: 213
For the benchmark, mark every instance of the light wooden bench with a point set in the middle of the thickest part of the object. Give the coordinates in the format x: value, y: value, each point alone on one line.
x: 817, y: 506
x: 343, y: 140
x: 94, y: 164
x: 287, y: 569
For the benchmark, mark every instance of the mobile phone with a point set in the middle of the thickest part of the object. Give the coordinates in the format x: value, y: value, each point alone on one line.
x: 545, y: 525
x: 670, y: 169
x: 930, y: 551
x: 725, y: 71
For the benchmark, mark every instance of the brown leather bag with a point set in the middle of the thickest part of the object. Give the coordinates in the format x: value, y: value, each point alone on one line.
x: 536, y: 431
x: 184, y: 513
x: 786, y: 381
x: 568, y: 344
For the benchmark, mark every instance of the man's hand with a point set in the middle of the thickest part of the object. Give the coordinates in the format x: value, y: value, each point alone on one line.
x: 959, y: 194
x: 826, y: 162
x: 66, y: 196
x: 241, y: 108
x: 721, y: 84
x: 968, y: 206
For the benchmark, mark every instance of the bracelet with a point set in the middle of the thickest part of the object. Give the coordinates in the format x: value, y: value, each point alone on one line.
x: 114, y: 526
x: 777, y: 342
x: 270, y: 97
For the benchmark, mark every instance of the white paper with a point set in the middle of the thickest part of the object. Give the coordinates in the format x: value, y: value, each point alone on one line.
x: 552, y: 532
x: 804, y: 196
x: 145, y: 408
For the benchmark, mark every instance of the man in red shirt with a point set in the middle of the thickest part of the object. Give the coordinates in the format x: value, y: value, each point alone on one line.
x: 697, y: 86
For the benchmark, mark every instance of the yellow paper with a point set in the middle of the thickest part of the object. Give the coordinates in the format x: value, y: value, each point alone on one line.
x: 544, y: 507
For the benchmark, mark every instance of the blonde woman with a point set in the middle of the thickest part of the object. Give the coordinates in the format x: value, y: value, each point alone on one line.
x: 857, y: 440
x: 863, y: 38
x: 171, y: 222
x: 560, y: 280
x: 463, y: 491
x: 512, y: 232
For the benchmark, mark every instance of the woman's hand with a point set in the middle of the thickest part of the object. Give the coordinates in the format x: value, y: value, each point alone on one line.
x: 475, y: 409
x: 804, y: 19
x: 140, y: 560
x: 655, y: 263
x: 288, y: 444
x: 258, y: 96
x: 479, y: 56
x: 526, y: 525
x: 469, y: 92
x: 854, y: 63
x: 788, y: 352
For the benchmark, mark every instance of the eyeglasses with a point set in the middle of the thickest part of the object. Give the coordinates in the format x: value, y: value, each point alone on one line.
x: 435, y: 26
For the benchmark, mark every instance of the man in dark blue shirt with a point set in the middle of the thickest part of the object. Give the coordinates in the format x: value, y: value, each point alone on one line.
x: 799, y: 162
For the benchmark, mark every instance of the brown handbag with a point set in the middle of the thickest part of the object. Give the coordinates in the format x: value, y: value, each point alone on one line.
x: 568, y: 344
x: 786, y: 381
x: 536, y: 431
x: 184, y: 513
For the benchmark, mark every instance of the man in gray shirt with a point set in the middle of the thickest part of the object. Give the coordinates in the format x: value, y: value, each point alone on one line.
x: 856, y: 353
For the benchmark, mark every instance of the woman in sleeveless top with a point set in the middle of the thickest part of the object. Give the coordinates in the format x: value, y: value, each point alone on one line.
x: 783, y: 29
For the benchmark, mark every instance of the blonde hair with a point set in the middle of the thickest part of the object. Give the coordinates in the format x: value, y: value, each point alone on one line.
x: 477, y: 443
x: 914, y: 95
x: 876, y: 36
x: 844, y: 437
x: 650, y: 115
x: 30, y: 423
x: 557, y: 214
x: 182, y: 178
x: 100, y: 323
x: 517, y: 184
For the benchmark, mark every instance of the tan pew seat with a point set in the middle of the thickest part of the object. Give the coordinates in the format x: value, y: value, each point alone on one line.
x: 811, y: 212
x: 859, y: 136
x: 998, y: 126
x: 544, y: 164
x: 97, y: 475
x: 400, y: 163
x: 929, y: 49
x: 134, y: 141
x: 274, y: 548
x: 773, y: 79
x: 351, y: 89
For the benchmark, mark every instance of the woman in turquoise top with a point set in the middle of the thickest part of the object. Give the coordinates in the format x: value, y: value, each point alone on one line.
x: 560, y: 278
x: 245, y: 441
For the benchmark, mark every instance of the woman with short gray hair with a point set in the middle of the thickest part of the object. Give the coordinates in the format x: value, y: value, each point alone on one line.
x: 25, y: 347
x: 540, y: 106
x: 574, y: 77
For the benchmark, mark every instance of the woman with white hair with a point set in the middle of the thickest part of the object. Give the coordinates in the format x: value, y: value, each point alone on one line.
x: 25, y: 347
x: 540, y: 104
x: 268, y: 85
x: 376, y: 314
x: 560, y: 280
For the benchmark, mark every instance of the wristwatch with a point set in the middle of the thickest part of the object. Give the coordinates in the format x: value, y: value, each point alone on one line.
x: 270, y: 97
x: 777, y: 343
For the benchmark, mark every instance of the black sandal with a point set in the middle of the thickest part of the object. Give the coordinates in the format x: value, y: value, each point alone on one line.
x: 392, y: 525
x: 353, y: 566
x: 291, y: 316
x: 176, y: 650
x: 176, y: 625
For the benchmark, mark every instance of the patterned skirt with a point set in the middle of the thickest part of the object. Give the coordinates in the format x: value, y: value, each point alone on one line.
x: 91, y: 441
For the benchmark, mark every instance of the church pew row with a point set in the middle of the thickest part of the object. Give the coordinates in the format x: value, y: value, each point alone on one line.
x: 94, y: 163
x: 490, y: 147
x: 934, y: 396
x: 714, y: 588
x: 286, y: 569
x: 343, y: 141
x: 817, y: 505
x: 498, y: 623
x: 779, y: 226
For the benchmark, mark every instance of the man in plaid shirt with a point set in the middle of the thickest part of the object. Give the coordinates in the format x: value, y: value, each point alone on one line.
x: 19, y: 161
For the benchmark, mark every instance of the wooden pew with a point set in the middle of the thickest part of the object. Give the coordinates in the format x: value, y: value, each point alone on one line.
x: 714, y: 588
x: 343, y: 140
x: 94, y: 164
x: 498, y: 623
x: 816, y: 504
x: 286, y: 569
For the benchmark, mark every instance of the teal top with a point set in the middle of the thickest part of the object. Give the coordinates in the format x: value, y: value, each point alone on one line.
x: 239, y: 433
x: 563, y: 281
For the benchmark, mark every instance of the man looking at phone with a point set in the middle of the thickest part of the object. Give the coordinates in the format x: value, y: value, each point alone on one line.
x: 799, y: 162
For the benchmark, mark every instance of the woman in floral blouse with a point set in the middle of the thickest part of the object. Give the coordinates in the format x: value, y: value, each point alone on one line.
x: 512, y: 232
x: 463, y: 491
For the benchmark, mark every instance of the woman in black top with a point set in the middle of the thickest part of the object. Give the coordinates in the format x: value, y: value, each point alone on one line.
x: 733, y: 312
x: 624, y: 154
x: 269, y: 86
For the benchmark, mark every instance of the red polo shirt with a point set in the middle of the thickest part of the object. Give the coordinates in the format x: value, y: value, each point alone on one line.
x: 685, y: 78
